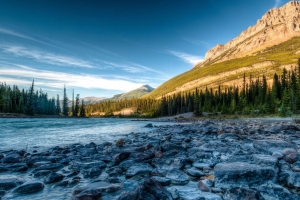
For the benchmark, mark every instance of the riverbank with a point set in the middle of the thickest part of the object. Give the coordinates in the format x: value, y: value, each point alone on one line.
x: 208, y: 159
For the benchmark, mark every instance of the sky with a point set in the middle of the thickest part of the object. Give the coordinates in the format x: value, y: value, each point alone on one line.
x: 105, y: 47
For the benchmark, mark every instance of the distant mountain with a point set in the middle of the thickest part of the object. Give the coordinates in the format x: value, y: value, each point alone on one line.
x: 89, y: 100
x: 137, y: 93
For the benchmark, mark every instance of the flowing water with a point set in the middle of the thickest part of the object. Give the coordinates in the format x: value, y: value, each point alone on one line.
x: 41, y: 134
x: 16, y: 133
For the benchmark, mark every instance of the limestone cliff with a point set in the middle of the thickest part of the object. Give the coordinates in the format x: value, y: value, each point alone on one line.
x: 276, y: 26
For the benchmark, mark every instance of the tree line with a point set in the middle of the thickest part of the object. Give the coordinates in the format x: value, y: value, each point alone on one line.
x: 255, y: 95
x: 31, y: 102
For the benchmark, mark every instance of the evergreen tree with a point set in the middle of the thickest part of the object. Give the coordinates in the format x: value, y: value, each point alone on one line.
x: 58, y: 109
x: 76, y: 109
x: 30, y: 102
x: 82, y: 109
x: 65, y: 103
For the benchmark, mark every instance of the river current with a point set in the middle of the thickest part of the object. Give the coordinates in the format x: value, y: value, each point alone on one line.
x: 20, y: 133
x: 41, y: 134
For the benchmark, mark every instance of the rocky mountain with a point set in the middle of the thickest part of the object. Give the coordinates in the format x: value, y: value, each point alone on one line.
x: 272, y: 44
x: 89, y: 100
x: 136, y: 93
x: 276, y: 26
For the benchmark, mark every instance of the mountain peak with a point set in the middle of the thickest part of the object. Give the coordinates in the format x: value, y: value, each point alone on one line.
x: 146, y: 87
x: 276, y: 26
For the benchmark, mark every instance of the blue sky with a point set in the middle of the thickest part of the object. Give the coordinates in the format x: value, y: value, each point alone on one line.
x: 101, y: 48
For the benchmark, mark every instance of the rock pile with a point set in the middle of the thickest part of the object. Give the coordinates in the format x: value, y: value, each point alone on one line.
x: 213, y: 160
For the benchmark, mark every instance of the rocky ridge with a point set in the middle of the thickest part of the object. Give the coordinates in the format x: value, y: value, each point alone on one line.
x: 207, y: 160
x: 276, y: 26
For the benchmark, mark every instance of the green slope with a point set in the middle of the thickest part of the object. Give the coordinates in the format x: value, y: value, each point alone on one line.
x: 282, y: 54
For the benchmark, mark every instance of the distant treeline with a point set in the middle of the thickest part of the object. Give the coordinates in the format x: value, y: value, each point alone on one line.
x: 31, y: 102
x: 282, y: 97
x: 254, y: 96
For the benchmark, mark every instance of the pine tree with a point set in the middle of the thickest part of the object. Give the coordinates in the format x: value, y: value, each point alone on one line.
x: 58, y: 109
x: 82, y: 109
x: 30, y: 102
x: 65, y: 103
x: 76, y: 109
x: 73, y: 104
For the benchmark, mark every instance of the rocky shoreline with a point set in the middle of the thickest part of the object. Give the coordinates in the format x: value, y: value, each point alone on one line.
x: 203, y: 160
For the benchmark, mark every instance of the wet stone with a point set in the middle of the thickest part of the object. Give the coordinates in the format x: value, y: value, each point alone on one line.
x: 53, y: 177
x: 139, y: 169
x: 9, y: 183
x: 161, y: 180
x: 242, y: 194
x: 88, y: 195
x: 29, y: 188
x: 177, y: 177
x: 242, y: 174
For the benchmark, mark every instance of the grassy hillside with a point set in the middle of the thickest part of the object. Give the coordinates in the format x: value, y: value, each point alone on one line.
x: 285, y: 53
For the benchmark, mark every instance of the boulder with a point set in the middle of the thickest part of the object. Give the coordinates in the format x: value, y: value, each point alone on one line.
x: 138, y: 169
x: 240, y: 174
x: 148, y: 190
x: 11, y: 158
x: 270, y: 146
x: 88, y: 195
x: 77, y: 166
x: 9, y: 183
x: 29, y: 188
x: 169, y: 163
x: 53, y: 177
x: 52, y: 167
x: 274, y: 191
x: 120, y: 157
x: 239, y: 193
x: 161, y: 180
x: 177, y: 177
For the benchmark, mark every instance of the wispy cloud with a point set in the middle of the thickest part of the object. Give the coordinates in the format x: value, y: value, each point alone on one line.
x: 20, y: 35
x: 53, y: 79
x: 46, y: 57
x: 188, y: 58
x: 196, y: 42
x: 277, y: 3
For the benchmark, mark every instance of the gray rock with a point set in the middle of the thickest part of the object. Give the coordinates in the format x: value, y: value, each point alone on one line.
x: 120, y: 157
x: 88, y: 195
x: 149, y: 125
x: 174, y: 192
x: 41, y: 173
x: 194, y: 172
x: 269, y: 146
x: 277, y: 155
x: 203, y: 187
x: 274, y: 191
x: 161, y: 180
x: 149, y: 189
x: 178, y: 177
x: 77, y: 166
x: 29, y: 188
x: 9, y: 183
x: 53, y: 177
x: 92, y: 172
x: 52, y: 167
x: 296, y: 166
x: 293, y: 180
x: 138, y: 169
x: 12, y: 158
x: 239, y: 174
x: 169, y: 163
x: 242, y: 194
x: 191, y: 192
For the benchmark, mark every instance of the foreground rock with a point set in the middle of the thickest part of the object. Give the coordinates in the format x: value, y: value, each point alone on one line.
x: 204, y: 160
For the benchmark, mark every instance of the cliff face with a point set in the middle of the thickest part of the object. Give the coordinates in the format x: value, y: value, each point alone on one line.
x: 276, y: 26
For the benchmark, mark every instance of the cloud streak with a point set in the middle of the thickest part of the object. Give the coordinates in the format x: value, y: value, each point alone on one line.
x: 188, y: 58
x: 58, y: 79
x: 45, y: 57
